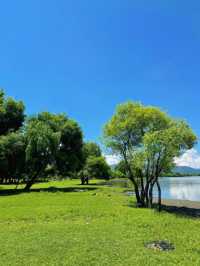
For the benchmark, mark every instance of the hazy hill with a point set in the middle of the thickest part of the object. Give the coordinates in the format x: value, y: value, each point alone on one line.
x: 186, y: 170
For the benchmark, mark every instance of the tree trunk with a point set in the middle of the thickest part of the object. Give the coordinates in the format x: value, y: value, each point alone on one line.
x: 82, y: 181
x: 32, y: 180
x: 150, y: 204
x: 159, y: 196
x: 137, y: 193
x: 87, y: 180
x: 142, y: 192
x: 146, y: 193
x: 29, y: 184
x: 131, y: 177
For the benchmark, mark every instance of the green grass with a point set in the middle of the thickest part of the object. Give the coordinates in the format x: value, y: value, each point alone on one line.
x: 94, y: 227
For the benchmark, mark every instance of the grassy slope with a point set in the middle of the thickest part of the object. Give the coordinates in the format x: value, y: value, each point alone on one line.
x: 96, y: 227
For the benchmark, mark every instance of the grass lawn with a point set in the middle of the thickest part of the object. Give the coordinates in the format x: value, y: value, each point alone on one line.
x: 98, y: 226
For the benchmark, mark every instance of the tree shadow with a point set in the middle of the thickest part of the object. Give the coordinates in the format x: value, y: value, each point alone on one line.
x: 97, y: 184
x: 10, y: 192
x: 182, y: 211
x: 112, y: 183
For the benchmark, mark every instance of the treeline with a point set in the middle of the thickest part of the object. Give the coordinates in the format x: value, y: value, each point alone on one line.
x: 177, y: 174
x: 44, y: 145
x: 144, y: 138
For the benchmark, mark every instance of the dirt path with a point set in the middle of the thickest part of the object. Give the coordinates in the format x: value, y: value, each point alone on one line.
x: 182, y: 203
x: 182, y: 207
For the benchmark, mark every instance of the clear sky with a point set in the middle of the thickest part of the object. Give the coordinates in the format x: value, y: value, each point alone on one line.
x: 84, y: 57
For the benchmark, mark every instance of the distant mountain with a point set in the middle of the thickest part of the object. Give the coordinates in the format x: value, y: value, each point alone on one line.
x: 182, y: 170
x: 186, y: 170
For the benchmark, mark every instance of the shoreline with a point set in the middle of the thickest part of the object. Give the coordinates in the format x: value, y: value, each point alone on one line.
x: 181, y: 203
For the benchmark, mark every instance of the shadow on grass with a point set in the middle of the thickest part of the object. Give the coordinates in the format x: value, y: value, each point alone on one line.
x: 177, y: 210
x: 182, y: 211
x: 98, y: 184
x: 9, y: 192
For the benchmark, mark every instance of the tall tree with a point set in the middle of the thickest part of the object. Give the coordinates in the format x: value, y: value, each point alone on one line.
x: 126, y: 135
x: 123, y: 134
x: 160, y: 149
x: 41, y: 147
x: 12, y: 148
x: 11, y: 114
x: 12, y: 157
x: 69, y: 155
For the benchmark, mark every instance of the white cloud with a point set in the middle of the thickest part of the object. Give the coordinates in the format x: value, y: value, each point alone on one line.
x: 112, y: 159
x: 190, y: 158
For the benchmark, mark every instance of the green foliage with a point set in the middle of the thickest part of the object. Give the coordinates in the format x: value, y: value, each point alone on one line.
x: 12, y: 157
x: 147, y: 140
x: 11, y: 114
x: 45, y: 143
x: 91, y: 149
x: 12, y: 146
x: 120, y: 170
x: 41, y: 144
x: 69, y: 156
x: 128, y: 125
x: 94, y: 165
x: 124, y: 133
x: 161, y: 147
x: 117, y: 174
x: 97, y: 167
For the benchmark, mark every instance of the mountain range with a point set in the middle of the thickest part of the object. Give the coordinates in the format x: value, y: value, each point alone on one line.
x: 182, y: 170
x: 186, y: 170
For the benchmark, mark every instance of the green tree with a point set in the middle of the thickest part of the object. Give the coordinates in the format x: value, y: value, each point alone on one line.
x: 91, y: 149
x: 41, y: 146
x: 160, y: 149
x: 69, y: 155
x: 43, y: 140
x: 97, y: 167
x: 11, y: 114
x: 12, y: 157
x: 120, y: 169
x: 11, y: 140
x: 126, y: 135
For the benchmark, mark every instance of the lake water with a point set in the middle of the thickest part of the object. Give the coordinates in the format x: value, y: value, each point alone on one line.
x: 183, y: 188
x: 186, y: 188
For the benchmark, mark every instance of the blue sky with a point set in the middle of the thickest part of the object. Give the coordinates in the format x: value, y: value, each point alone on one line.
x: 84, y: 57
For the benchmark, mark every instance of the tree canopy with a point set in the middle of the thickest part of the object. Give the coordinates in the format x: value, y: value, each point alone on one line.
x: 91, y: 149
x: 12, y: 146
x: 12, y: 157
x: 11, y: 114
x: 69, y: 155
x: 41, y: 147
x: 97, y: 167
x: 147, y: 140
x: 28, y: 147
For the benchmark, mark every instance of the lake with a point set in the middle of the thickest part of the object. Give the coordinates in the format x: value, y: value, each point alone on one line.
x: 184, y: 188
